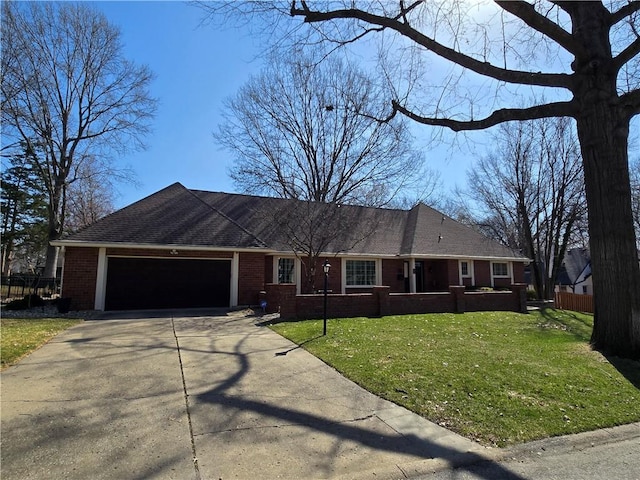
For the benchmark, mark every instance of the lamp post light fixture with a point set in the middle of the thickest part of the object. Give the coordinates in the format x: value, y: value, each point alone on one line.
x: 325, y: 268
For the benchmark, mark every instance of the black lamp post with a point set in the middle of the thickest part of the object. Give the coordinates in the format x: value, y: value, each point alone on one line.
x: 325, y: 268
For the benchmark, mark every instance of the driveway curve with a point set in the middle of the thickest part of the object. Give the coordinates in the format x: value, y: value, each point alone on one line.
x: 203, y: 395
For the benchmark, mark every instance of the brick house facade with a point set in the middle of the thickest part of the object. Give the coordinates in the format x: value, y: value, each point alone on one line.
x: 181, y: 248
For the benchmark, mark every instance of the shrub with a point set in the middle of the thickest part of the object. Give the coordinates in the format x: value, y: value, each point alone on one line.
x: 31, y: 300
x: 17, y: 305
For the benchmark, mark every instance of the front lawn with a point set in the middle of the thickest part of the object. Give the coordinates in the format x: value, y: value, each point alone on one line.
x: 20, y: 336
x: 500, y: 378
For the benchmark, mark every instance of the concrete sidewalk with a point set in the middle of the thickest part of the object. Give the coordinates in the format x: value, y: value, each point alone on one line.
x: 203, y: 396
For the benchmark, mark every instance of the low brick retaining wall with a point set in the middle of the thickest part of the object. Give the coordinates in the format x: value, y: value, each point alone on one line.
x: 282, y: 298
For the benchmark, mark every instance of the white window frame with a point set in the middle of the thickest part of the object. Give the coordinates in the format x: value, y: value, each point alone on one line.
x: 470, y: 272
x: 378, y: 272
x: 509, y: 273
x: 276, y: 273
x: 296, y: 270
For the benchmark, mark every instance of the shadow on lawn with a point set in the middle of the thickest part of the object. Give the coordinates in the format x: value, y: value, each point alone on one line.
x: 577, y: 325
x: 300, y: 345
x: 630, y: 369
x: 581, y: 327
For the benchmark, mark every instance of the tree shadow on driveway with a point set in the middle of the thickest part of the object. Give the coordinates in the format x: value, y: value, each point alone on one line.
x: 241, y: 413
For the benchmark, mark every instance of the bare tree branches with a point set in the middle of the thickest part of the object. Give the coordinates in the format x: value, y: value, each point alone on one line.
x: 528, y: 14
x: 624, y: 12
x: 535, y: 198
x: 497, y: 117
x: 455, y: 56
x: 67, y: 87
x: 604, y: 86
x: 309, y: 131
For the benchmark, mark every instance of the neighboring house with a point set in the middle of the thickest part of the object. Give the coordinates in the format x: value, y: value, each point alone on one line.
x: 189, y: 248
x: 575, y: 274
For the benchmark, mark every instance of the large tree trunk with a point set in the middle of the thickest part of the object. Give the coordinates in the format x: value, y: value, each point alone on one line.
x: 603, y: 129
x: 51, y: 264
x: 614, y: 258
x: 56, y: 204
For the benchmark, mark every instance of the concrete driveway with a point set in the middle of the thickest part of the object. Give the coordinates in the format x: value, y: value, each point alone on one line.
x: 197, y: 396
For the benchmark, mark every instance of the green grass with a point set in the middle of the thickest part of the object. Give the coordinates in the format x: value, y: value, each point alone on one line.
x: 19, y: 336
x: 500, y: 378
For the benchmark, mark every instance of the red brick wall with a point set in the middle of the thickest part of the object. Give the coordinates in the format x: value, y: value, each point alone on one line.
x: 393, y: 275
x: 250, y: 277
x: 268, y: 269
x: 357, y: 305
x: 518, y: 272
x: 380, y: 302
x: 453, y: 274
x: 79, y: 277
x: 501, y: 282
x: 482, y: 270
x: 280, y: 297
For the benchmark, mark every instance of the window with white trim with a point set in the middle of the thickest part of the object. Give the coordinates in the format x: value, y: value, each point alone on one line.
x: 500, y: 269
x: 465, y: 271
x: 286, y: 270
x: 360, y: 273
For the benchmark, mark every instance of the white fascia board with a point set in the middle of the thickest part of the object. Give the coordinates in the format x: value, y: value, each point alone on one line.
x: 466, y: 257
x: 149, y: 246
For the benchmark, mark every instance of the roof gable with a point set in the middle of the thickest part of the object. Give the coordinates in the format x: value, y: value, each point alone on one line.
x: 430, y: 232
x: 172, y: 216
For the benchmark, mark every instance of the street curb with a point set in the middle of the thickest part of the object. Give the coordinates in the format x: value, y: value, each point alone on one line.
x: 536, y: 449
x: 578, y: 441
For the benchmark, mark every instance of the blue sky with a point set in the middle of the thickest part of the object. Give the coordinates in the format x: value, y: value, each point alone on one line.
x: 196, y: 68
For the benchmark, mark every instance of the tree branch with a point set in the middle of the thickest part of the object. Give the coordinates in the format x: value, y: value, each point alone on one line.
x: 624, y: 12
x: 627, y: 54
x: 631, y: 101
x: 482, y: 68
x: 527, y: 13
x: 557, y: 109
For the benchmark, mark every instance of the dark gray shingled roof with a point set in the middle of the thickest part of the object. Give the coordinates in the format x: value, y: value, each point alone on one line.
x: 172, y: 216
x: 177, y: 216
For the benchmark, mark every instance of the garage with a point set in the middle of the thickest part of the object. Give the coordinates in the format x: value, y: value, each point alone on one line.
x: 152, y: 283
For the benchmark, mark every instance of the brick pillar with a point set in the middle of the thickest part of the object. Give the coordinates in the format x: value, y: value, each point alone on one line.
x: 519, y: 291
x: 381, y: 294
x: 280, y: 298
x: 458, y: 297
x: 288, y: 308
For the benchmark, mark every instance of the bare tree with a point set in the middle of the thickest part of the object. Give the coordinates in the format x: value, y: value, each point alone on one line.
x: 308, y: 130
x: 90, y: 197
x: 312, y: 229
x: 67, y: 86
x: 585, y: 53
x: 531, y: 192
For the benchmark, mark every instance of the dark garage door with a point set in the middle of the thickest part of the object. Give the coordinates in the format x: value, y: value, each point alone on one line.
x: 148, y: 283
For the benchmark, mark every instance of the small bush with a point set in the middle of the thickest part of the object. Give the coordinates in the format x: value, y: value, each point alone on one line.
x: 17, y: 305
x: 28, y: 301
x: 33, y: 300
